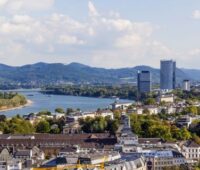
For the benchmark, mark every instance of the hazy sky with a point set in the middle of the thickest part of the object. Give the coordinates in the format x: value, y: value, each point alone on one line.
x: 102, y: 33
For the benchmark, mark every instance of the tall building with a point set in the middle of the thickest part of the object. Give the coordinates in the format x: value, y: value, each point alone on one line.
x: 144, y: 81
x: 167, y: 75
x: 186, y: 85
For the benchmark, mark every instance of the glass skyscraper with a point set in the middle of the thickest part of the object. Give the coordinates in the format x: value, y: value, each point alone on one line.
x: 144, y: 81
x: 167, y: 75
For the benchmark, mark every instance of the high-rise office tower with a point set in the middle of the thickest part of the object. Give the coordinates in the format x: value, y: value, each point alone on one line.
x: 167, y: 75
x: 144, y: 81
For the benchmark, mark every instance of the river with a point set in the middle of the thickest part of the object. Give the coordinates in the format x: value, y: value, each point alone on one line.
x: 50, y: 102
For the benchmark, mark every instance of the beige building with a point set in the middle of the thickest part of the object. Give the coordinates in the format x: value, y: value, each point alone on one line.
x: 166, y: 98
x: 159, y: 159
x: 5, y: 155
x: 191, y: 151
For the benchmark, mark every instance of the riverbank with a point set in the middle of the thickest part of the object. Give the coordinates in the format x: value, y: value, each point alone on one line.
x: 29, y: 103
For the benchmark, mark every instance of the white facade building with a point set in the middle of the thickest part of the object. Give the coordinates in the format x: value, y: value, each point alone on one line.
x: 186, y: 85
x: 191, y: 151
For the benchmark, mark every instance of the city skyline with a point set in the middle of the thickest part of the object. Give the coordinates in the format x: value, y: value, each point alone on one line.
x: 101, y: 33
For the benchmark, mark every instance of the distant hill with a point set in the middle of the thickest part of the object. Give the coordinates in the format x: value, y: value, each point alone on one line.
x: 43, y: 73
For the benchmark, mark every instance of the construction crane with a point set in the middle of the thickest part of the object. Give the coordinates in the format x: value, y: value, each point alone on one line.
x: 75, y: 166
x: 78, y: 166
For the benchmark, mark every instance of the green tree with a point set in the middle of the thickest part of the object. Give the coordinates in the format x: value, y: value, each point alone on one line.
x: 150, y: 101
x: 17, y: 125
x: 55, y: 131
x: 146, y: 111
x: 135, y: 124
x: 44, y: 113
x: 185, y: 134
x: 117, y: 115
x: 176, y: 133
x: 43, y: 127
x: 196, y: 138
x: 160, y: 131
x: 113, y: 126
x: 59, y: 110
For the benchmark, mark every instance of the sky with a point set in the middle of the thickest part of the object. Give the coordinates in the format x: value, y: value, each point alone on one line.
x: 100, y: 33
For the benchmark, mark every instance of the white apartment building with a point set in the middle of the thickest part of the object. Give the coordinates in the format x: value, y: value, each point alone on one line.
x: 159, y: 159
x: 73, y: 117
x: 191, y: 151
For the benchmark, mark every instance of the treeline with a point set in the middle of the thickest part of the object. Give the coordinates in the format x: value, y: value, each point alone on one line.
x: 15, y: 125
x: 99, y: 125
x: 151, y: 126
x: 9, y: 100
x: 14, y: 86
x: 189, y: 96
x: 124, y: 92
x: 18, y: 125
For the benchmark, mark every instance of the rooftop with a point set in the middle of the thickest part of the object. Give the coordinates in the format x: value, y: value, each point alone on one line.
x: 191, y: 144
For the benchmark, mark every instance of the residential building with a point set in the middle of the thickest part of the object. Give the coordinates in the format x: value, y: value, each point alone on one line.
x: 167, y: 75
x: 144, y: 81
x: 184, y: 121
x: 5, y: 154
x: 127, y: 162
x: 74, y: 117
x: 167, y: 98
x: 118, y: 105
x: 186, y: 85
x: 159, y: 159
x: 93, y: 159
x: 105, y: 113
x: 126, y: 139
x: 13, y: 164
x: 152, y: 109
x: 72, y: 128
x: 51, y: 144
x: 191, y: 151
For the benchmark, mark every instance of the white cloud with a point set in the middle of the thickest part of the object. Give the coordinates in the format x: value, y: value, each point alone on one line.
x: 101, y: 40
x: 25, y: 5
x: 92, y: 10
x: 194, y: 52
x: 20, y: 19
x: 196, y: 14
x: 129, y: 41
x: 70, y: 40
x: 3, y: 2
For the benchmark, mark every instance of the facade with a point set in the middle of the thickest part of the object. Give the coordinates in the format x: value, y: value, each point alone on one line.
x: 117, y: 105
x: 167, y: 75
x: 51, y: 144
x: 144, y: 81
x: 5, y: 155
x: 72, y: 128
x: 166, y: 98
x: 184, y: 121
x: 105, y: 113
x: 186, y: 85
x: 127, y: 162
x: 159, y: 159
x: 13, y: 164
x: 74, y: 117
x: 191, y: 151
x: 126, y: 139
x: 153, y: 110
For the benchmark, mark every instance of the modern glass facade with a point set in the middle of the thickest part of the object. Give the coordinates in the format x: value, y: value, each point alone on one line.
x: 167, y: 74
x: 144, y: 81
